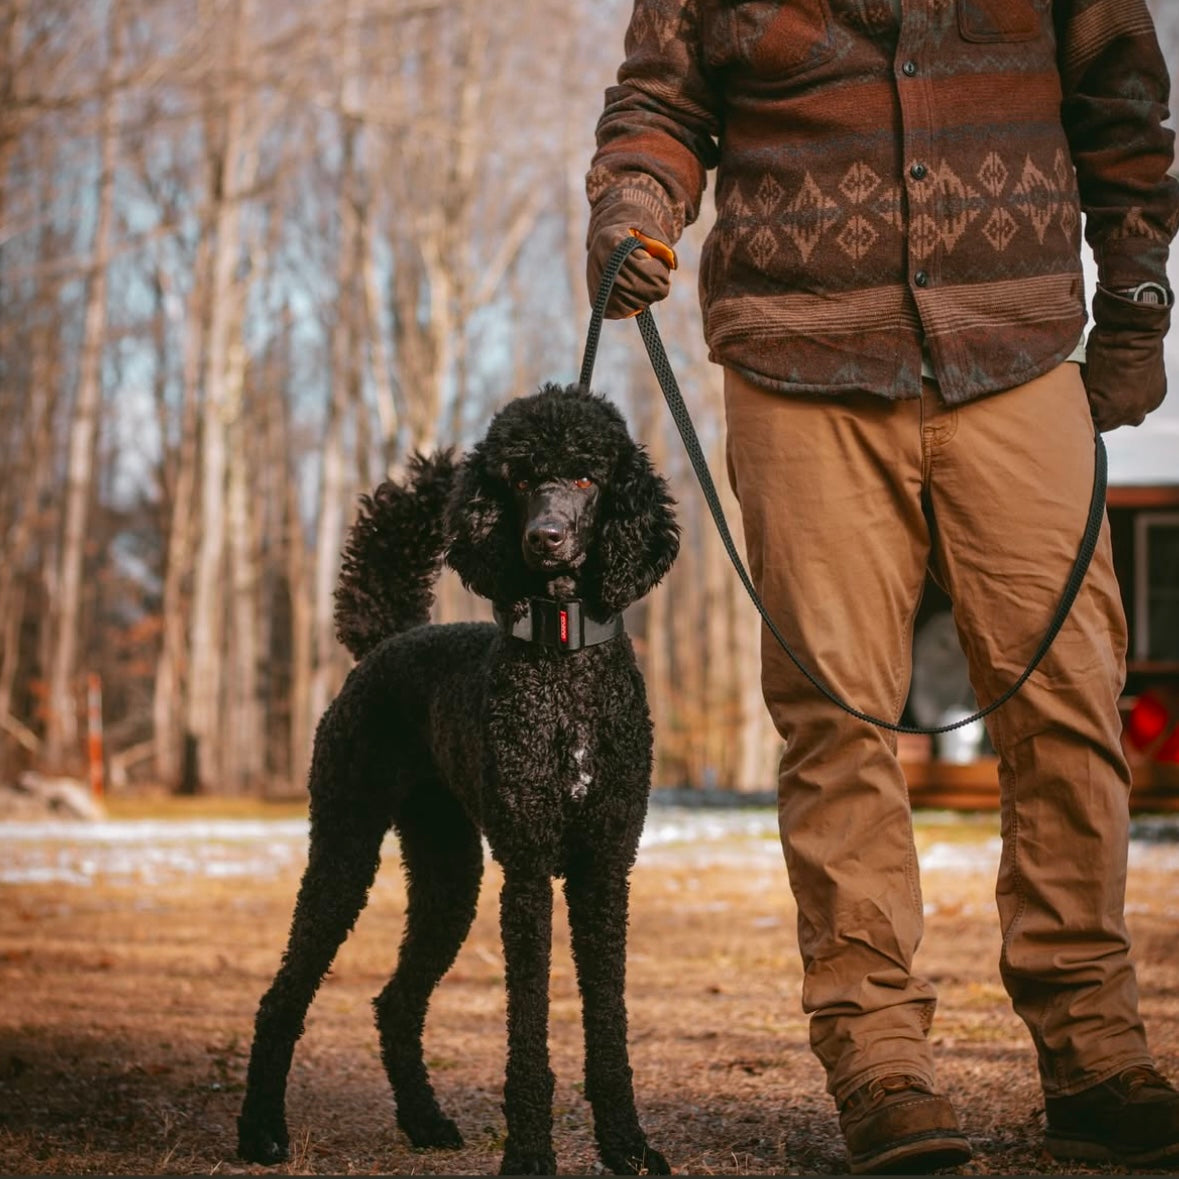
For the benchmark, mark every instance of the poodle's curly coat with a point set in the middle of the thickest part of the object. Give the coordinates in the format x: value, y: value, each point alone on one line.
x: 450, y: 732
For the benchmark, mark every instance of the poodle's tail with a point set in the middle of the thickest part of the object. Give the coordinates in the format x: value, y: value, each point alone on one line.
x: 393, y: 554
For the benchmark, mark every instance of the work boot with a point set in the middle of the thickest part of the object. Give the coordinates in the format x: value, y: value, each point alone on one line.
x: 1133, y: 1118
x: 898, y: 1125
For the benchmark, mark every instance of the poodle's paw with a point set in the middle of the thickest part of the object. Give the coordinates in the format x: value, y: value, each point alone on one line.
x: 259, y: 1143
x: 540, y: 1162
x: 431, y: 1130
x: 640, y: 1161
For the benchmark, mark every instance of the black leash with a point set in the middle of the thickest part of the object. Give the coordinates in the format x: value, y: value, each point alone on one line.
x: 679, y: 413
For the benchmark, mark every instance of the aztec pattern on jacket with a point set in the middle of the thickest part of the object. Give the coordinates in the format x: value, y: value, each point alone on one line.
x: 883, y: 183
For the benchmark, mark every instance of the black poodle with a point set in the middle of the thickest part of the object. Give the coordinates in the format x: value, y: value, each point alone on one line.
x: 533, y: 731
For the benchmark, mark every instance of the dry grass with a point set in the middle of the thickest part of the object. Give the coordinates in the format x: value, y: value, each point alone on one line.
x: 125, y: 1019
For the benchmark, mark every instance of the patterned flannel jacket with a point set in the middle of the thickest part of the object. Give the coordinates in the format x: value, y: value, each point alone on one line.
x: 886, y: 184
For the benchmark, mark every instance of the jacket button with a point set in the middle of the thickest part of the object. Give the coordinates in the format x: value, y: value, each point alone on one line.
x: 921, y: 278
x: 909, y: 69
x: 918, y: 171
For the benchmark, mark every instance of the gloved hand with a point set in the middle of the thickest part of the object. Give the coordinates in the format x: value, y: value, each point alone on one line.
x: 645, y: 277
x: 1124, y: 372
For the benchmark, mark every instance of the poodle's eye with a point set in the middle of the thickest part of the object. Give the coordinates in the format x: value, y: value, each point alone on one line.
x: 522, y: 484
x: 584, y: 482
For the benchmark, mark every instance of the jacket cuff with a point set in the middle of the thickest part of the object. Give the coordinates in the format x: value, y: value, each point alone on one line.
x: 1115, y: 313
x: 635, y: 200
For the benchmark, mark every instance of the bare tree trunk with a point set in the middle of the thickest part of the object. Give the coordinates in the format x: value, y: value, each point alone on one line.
x: 31, y: 567
x: 684, y: 745
x: 207, y: 632
x: 294, y: 556
x: 61, y: 729
x: 301, y: 633
x: 13, y: 22
x: 168, y: 689
x: 241, y: 719
x: 656, y: 662
x: 242, y: 727
x: 329, y: 539
x: 425, y: 265
x: 758, y: 740
x: 370, y: 458
x: 717, y: 727
x: 19, y: 539
x: 18, y: 543
x: 14, y: 603
x: 575, y: 209
x: 388, y: 413
x: 456, y: 224
x: 421, y: 347
x: 328, y: 662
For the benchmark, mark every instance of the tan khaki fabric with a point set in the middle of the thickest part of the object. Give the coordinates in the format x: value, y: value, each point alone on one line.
x: 844, y: 502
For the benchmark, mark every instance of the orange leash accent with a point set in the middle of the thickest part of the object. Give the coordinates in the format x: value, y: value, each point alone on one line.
x: 657, y: 249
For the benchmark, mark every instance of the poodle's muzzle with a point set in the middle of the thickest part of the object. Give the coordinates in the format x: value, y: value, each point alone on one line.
x: 559, y: 520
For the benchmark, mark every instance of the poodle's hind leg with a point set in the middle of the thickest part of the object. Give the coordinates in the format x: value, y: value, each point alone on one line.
x: 443, y: 860
x: 343, y: 859
x: 596, y: 890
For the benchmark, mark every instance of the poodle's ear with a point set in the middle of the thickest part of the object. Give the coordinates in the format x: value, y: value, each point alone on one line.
x: 484, y: 547
x: 638, y: 537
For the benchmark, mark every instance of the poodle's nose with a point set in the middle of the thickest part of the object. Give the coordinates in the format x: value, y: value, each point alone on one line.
x: 546, y: 536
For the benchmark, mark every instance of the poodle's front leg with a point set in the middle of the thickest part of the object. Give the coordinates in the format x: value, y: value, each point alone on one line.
x: 596, y: 889
x: 526, y: 922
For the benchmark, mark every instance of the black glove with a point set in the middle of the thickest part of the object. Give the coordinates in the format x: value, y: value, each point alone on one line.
x: 645, y: 277
x: 1124, y: 372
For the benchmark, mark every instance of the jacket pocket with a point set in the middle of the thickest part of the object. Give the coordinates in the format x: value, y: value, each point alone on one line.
x: 999, y: 20
x: 770, y: 38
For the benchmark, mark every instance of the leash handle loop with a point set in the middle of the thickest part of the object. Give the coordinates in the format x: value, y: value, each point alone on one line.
x: 593, y: 334
x: 679, y: 412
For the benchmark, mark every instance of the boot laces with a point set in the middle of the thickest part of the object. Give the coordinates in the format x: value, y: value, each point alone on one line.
x: 895, y: 1083
x: 1140, y: 1076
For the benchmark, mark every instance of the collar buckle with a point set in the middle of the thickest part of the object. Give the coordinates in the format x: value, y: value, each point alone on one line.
x: 563, y: 626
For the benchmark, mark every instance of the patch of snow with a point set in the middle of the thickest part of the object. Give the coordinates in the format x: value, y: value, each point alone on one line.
x: 159, y: 850
x: 148, y: 851
x: 687, y: 825
x: 963, y: 858
x: 1154, y: 857
x: 153, y: 830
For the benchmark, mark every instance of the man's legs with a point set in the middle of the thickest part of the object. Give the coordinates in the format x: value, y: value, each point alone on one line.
x: 1009, y: 481
x: 831, y: 497
x: 830, y: 493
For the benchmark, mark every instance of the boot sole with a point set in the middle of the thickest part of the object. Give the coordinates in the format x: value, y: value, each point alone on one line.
x: 914, y: 1156
x: 1087, y: 1150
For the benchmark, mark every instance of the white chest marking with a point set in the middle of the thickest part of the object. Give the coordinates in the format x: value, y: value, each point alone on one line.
x: 582, y: 782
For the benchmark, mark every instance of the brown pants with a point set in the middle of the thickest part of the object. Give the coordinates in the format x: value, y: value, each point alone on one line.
x: 845, y: 501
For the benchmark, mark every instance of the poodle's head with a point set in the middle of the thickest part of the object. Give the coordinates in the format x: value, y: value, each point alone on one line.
x: 557, y: 500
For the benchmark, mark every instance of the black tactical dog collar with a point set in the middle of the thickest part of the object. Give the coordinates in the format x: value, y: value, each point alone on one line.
x: 564, y: 626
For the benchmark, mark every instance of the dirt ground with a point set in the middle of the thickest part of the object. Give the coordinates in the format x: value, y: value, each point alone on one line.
x: 129, y: 980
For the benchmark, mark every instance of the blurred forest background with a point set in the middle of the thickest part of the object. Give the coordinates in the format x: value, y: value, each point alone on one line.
x: 252, y: 254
